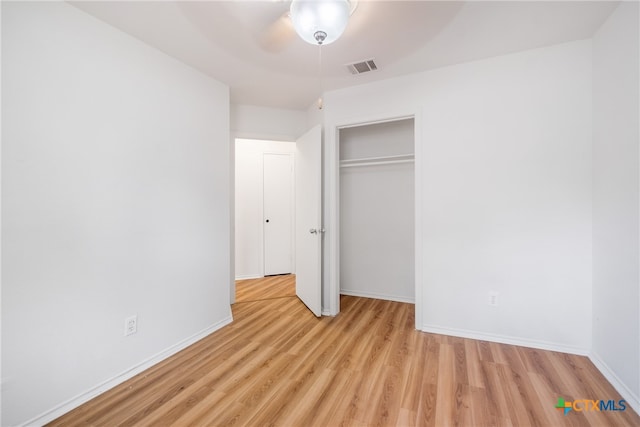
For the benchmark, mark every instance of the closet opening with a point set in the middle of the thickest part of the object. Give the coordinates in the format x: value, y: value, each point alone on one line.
x: 377, y: 210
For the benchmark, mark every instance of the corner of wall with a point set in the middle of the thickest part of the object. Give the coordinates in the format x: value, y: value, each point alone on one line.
x: 615, y: 381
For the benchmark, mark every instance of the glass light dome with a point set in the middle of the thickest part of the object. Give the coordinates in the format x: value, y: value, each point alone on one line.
x: 320, y: 21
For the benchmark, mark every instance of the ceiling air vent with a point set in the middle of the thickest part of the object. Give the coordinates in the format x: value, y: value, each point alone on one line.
x: 362, y: 67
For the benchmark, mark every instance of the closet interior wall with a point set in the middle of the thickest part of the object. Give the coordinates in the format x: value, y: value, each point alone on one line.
x: 377, y: 211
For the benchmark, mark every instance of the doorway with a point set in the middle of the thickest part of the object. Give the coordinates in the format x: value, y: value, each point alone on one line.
x: 377, y: 256
x: 333, y: 270
x: 264, y: 219
x: 293, y: 170
x: 264, y: 208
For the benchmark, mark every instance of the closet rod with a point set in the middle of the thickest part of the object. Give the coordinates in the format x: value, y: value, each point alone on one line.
x: 374, y: 161
x: 381, y: 162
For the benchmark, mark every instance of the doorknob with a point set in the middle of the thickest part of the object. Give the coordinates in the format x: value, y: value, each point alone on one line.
x: 313, y: 231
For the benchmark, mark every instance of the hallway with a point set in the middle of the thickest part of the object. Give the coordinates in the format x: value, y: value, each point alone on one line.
x: 265, y: 288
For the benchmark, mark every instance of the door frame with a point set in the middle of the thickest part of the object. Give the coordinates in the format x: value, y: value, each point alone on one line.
x: 333, y: 205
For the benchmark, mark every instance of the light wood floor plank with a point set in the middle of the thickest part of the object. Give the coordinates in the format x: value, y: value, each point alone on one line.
x: 279, y: 365
x: 269, y: 287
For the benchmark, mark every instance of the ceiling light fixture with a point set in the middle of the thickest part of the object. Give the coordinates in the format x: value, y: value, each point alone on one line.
x: 320, y: 21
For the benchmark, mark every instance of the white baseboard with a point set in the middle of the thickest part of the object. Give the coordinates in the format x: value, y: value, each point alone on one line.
x: 505, y: 339
x: 78, y: 400
x: 376, y: 296
x: 626, y: 393
x: 249, y: 277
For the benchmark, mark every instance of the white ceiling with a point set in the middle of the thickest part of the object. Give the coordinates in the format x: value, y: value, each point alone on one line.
x: 250, y: 45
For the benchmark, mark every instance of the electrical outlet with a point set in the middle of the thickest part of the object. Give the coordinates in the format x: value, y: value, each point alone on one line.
x: 493, y: 298
x: 131, y: 325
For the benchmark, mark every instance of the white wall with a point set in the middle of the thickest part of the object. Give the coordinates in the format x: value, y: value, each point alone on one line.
x: 249, y: 186
x: 276, y: 124
x: 377, y: 213
x: 315, y: 115
x: 505, y: 163
x: 115, y: 201
x: 616, y: 217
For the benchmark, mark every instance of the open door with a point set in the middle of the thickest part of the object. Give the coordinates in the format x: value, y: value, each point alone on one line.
x: 308, y: 170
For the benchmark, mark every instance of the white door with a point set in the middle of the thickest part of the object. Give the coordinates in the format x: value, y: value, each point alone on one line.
x: 308, y: 171
x: 278, y: 213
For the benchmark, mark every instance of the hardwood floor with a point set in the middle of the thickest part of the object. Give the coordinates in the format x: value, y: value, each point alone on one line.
x: 277, y: 364
x: 266, y: 288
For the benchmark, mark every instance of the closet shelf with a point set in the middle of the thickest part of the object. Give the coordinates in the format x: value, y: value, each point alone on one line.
x: 373, y: 161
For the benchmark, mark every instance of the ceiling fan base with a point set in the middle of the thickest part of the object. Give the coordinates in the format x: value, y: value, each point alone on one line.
x: 320, y: 36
